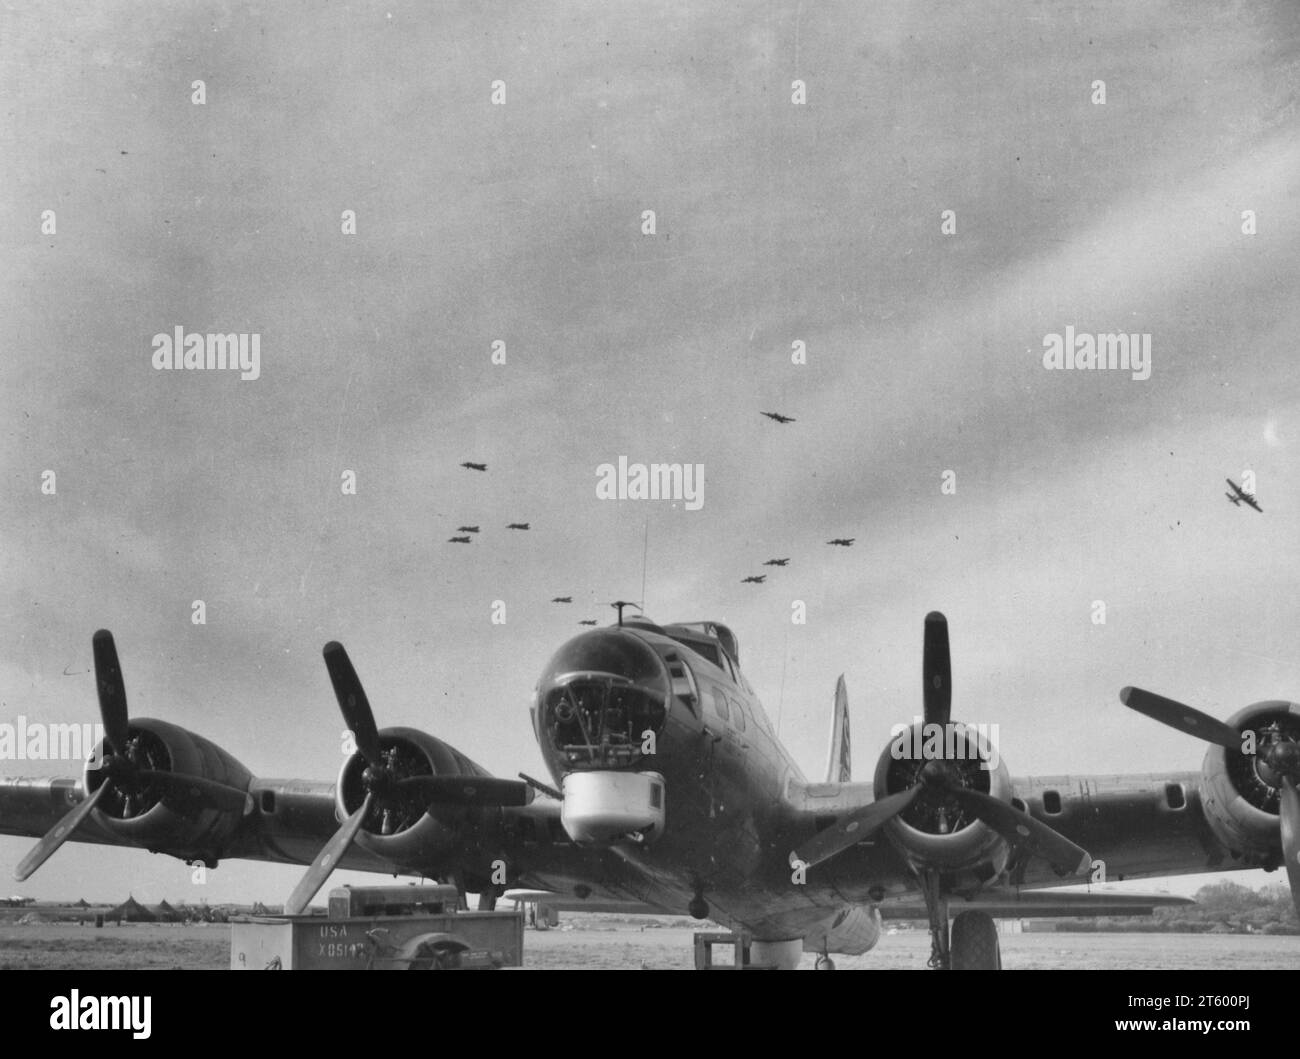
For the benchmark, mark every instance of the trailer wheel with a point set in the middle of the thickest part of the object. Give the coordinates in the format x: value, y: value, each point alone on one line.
x: 433, y: 952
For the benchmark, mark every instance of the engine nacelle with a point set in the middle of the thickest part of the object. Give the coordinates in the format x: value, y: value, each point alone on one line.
x: 1238, y: 793
x: 171, y: 823
x: 410, y: 834
x: 934, y: 833
x: 853, y: 931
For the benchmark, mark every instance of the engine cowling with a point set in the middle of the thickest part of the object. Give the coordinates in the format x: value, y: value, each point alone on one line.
x: 169, y: 822
x: 1238, y: 793
x: 934, y: 833
x: 408, y: 832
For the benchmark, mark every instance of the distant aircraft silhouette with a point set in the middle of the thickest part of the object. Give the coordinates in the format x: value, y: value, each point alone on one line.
x: 590, y: 622
x: 562, y: 599
x: 517, y: 525
x: 475, y: 466
x: 1242, y: 495
x: 457, y: 540
x: 776, y: 562
x: 466, y: 529
x: 756, y: 579
x: 843, y: 542
x: 778, y: 417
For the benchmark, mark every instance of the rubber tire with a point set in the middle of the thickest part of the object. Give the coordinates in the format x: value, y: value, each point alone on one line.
x: 974, y: 943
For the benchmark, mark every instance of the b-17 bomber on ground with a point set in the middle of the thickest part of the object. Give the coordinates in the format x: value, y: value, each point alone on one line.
x: 672, y: 793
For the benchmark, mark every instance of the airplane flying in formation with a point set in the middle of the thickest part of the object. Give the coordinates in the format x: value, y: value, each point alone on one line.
x: 843, y: 542
x: 777, y: 417
x: 754, y: 579
x: 518, y: 525
x: 1241, y: 495
x: 562, y: 599
x: 776, y: 562
x: 466, y: 529
x: 475, y: 466
x: 672, y: 793
x: 458, y: 540
x: 588, y: 621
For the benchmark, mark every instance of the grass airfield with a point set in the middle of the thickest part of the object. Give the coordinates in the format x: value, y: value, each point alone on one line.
x: 624, y: 943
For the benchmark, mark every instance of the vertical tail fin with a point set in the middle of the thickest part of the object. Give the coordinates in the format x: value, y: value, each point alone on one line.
x: 839, y: 761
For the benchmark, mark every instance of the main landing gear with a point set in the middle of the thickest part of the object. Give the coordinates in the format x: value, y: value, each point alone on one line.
x: 972, y: 942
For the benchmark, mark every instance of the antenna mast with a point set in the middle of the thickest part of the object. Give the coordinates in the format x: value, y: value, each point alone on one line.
x: 645, y: 554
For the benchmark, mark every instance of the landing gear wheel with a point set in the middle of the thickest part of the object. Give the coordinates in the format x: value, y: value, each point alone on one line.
x: 974, y: 944
x: 824, y: 963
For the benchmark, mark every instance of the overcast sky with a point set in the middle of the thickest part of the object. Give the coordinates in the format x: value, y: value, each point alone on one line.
x: 522, y: 223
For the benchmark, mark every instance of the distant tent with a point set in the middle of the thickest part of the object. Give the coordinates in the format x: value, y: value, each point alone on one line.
x: 131, y: 911
x: 167, y: 914
x: 81, y: 904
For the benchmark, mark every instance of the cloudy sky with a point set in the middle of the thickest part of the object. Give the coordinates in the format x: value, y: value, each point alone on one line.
x: 522, y: 223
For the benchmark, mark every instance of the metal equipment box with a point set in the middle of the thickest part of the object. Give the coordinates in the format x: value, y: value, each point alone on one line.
x: 380, y: 928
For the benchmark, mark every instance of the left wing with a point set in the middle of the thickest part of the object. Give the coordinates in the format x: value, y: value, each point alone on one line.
x: 408, y: 804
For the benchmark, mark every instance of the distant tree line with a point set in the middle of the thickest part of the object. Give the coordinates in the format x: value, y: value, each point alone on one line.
x: 1221, y: 908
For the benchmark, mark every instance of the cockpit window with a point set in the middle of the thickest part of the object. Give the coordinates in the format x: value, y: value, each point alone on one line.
x: 708, y: 651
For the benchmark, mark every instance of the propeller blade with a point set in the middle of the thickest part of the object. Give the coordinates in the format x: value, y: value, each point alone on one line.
x: 212, y: 794
x: 58, y: 834
x: 1022, y: 829
x: 937, y: 670
x: 326, y: 860
x: 466, y: 790
x: 353, y: 702
x: 112, y: 691
x: 853, y: 827
x: 1289, y: 813
x: 1184, y: 718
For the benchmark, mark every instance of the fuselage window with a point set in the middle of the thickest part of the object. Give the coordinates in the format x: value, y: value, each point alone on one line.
x: 738, y: 712
x: 720, y: 704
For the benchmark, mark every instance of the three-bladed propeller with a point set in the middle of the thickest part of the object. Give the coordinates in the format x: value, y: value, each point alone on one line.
x: 121, y: 765
x: 1016, y: 826
x: 383, y: 787
x: 1279, y: 760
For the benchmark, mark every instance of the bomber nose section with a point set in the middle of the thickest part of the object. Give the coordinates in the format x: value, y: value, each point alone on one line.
x: 602, y: 703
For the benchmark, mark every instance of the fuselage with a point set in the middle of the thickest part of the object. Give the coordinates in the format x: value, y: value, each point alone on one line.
x: 670, y: 703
